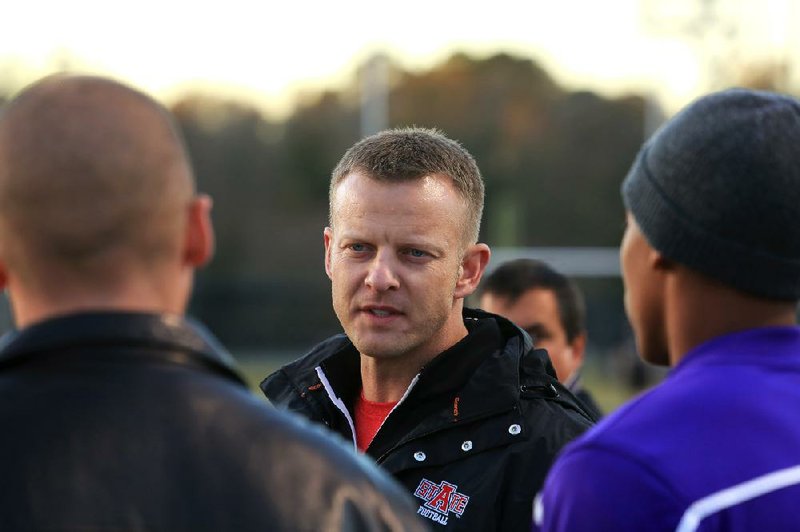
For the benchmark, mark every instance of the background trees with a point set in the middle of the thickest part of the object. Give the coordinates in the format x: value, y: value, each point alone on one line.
x: 552, y: 159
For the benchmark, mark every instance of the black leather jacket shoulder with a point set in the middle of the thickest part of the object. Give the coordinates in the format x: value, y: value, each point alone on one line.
x: 131, y: 421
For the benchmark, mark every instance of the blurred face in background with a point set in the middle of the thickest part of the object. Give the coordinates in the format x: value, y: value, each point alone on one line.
x: 536, y: 311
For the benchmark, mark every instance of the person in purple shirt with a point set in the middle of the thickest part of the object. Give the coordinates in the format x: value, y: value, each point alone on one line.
x: 711, y: 265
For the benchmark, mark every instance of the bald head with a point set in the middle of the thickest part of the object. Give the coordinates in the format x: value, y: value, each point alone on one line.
x: 89, y: 170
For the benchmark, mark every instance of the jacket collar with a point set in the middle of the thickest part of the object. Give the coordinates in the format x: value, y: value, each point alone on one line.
x: 481, y: 372
x: 456, y: 371
x: 166, y: 336
x: 486, y: 373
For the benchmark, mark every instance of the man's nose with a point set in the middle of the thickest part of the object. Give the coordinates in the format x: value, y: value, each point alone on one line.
x: 382, y: 273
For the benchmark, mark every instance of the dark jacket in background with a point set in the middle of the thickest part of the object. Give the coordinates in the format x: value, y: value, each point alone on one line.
x: 116, y: 421
x: 575, y: 385
x: 475, y: 434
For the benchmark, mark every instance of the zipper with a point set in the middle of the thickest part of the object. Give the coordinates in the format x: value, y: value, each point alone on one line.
x: 408, y: 391
x: 337, y: 402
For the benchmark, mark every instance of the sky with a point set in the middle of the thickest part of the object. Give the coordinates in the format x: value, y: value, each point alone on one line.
x: 274, y: 52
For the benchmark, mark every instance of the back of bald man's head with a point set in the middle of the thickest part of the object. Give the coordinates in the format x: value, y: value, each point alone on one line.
x: 89, y: 169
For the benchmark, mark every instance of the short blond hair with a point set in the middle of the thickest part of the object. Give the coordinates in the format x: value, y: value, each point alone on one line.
x: 407, y: 154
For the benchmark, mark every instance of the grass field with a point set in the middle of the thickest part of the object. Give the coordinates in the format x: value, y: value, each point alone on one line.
x: 254, y: 368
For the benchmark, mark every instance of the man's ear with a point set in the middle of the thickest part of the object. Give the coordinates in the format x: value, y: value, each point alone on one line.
x: 473, y: 264
x: 199, y: 240
x: 660, y: 262
x: 3, y: 275
x: 327, y: 236
x: 578, y: 347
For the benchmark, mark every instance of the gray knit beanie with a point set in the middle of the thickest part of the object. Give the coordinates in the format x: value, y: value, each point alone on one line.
x: 717, y: 189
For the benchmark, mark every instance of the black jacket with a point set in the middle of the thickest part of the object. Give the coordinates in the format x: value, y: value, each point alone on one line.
x: 587, y: 400
x: 475, y: 434
x: 114, y: 421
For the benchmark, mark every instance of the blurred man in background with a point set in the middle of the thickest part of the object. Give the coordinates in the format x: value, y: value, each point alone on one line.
x: 455, y: 403
x: 711, y: 266
x: 117, y: 413
x: 548, y: 306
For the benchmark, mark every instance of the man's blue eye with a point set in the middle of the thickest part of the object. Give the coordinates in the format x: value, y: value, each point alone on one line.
x: 417, y: 253
x: 357, y: 247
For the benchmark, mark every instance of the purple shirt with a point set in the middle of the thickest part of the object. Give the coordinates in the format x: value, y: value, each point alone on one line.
x: 716, y: 446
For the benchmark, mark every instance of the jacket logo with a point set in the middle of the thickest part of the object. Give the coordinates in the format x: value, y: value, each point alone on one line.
x: 440, y: 500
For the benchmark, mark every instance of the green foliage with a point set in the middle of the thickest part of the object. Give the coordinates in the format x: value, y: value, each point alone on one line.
x: 552, y: 160
x: 317, y: 135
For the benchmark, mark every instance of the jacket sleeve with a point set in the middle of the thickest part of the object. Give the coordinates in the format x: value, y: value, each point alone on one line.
x: 597, y: 489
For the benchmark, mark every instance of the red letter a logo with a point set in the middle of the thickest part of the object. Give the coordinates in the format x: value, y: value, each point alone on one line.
x: 441, y: 501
